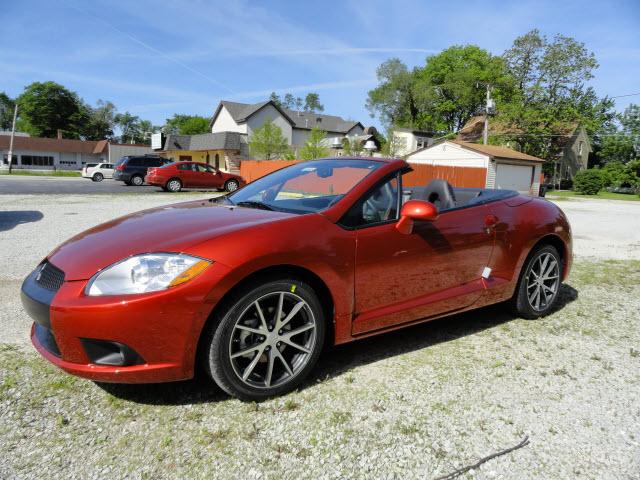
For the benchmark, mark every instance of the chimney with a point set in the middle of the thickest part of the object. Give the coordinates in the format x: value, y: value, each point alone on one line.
x: 59, y: 134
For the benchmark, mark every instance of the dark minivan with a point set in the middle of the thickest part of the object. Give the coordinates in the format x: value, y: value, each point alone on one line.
x: 132, y: 170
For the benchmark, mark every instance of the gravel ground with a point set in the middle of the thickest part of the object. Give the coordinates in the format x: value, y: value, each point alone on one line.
x: 417, y: 403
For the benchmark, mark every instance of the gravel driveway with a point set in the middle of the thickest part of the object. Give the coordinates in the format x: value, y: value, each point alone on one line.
x: 417, y: 403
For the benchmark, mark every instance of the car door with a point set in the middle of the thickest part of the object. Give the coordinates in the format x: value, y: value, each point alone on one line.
x: 205, y: 176
x: 107, y: 170
x: 188, y: 174
x: 436, y: 269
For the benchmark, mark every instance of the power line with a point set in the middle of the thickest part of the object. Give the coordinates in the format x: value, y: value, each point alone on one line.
x: 627, y: 95
x: 153, y: 49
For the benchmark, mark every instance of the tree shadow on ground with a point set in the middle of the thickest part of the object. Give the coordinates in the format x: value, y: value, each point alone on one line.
x: 11, y: 219
x: 335, y: 361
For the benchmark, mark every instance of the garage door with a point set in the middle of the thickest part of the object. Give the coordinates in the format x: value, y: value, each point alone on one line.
x: 514, y: 177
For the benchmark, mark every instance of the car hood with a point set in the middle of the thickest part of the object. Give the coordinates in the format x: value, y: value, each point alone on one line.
x: 172, y: 228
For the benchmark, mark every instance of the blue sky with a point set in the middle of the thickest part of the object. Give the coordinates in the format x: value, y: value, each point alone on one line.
x: 156, y: 58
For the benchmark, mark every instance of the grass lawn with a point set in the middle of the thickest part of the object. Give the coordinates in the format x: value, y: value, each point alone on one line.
x: 52, y: 173
x: 602, y: 194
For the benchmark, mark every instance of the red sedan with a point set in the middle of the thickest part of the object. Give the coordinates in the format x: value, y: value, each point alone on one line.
x: 252, y: 285
x: 173, y: 177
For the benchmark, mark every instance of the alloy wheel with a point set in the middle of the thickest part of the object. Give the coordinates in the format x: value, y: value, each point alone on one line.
x: 137, y: 181
x: 273, y: 340
x: 174, y: 185
x: 543, y: 281
x: 232, y: 186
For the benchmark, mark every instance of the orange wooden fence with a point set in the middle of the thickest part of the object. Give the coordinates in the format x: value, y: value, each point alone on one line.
x: 421, y: 175
x: 464, y: 177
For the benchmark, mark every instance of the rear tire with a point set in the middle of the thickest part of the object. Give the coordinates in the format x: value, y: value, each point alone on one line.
x: 277, y: 359
x: 98, y: 177
x: 231, y: 185
x: 173, y: 185
x: 539, y: 284
x: 137, y: 180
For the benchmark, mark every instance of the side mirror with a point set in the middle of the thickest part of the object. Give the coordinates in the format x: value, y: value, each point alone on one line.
x: 415, y: 210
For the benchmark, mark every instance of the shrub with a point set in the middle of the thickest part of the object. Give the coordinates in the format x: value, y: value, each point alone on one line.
x: 588, y: 182
x: 617, y: 174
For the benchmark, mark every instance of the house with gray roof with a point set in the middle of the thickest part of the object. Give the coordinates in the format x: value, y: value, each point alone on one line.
x: 244, y: 118
x: 233, y: 123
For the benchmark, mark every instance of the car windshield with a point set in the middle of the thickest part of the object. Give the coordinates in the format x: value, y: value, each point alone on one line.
x: 305, y: 187
x: 167, y: 164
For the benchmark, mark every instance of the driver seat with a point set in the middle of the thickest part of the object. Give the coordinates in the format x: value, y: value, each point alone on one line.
x: 440, y: 193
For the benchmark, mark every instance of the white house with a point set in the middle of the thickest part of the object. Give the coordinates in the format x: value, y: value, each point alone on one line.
x: 410, y: 140
x: 244, y: 118
x: 504, y: 167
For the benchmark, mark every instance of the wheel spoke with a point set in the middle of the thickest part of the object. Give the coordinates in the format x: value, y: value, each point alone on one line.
x: 284, y: 362
x: 550, y: 268
x: 258, y: 331
x: 296, y: 308
x: 271, y: 360
x: 538, y: 294
x: 244, y: 352
x: 261, y: 315
x: 296, y: 346
x: 276, y: 319
x: 252, y: 365
x: 293, y: 333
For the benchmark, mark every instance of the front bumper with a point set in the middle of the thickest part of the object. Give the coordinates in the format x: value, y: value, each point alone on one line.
x: 155, y: 334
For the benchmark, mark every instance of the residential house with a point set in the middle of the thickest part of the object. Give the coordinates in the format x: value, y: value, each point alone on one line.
x: 409, y: 140
x: 62, y: 153
x: 570, y: 140
x: 244, y: 118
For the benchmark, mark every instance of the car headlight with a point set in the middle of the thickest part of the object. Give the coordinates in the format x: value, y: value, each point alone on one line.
x: 146, y: 273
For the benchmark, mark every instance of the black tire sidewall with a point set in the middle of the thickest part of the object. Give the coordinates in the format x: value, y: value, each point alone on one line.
x: 217, y: 360
x: 522, y: 306
x: 98, y: 177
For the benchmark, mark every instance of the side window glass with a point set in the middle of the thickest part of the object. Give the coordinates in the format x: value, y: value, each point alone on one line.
x: 378, y: 206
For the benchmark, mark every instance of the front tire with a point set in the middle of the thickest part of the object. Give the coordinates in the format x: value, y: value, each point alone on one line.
x: 231, y: 185
x: 174, y: 185
x: 539, y: 284
x: 267, y: 341
x: 98, y: 177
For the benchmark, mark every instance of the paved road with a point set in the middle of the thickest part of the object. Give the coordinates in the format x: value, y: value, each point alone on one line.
x: 24, y: 185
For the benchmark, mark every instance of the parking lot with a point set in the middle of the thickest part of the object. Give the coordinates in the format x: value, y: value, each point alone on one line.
x: 417, y: 403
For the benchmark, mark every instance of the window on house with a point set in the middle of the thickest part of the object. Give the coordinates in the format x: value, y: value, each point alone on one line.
x: 37, y: 160
x: 422, y: 142
x: 580, y: 148
x: 14, y: 159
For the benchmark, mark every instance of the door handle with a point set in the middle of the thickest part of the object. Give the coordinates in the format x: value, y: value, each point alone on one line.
x: 490, y: 222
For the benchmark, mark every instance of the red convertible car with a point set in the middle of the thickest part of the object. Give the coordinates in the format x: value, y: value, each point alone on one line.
x: 250, y: 286
x: 173, y: 177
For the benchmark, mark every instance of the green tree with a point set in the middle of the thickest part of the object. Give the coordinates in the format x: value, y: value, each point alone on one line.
x: 313, y: 147
x: 275, y: 98
x: 6, y: 111
x: 46, y: 107
x: 551, y: 93
x: 101, y: 121
x: 289, y: 101
x: 267, y: 142
x: 129, y: 124
x: 393, y: 100
x: 312, y: 103
x: 186, y: 124
x: 351, y: 147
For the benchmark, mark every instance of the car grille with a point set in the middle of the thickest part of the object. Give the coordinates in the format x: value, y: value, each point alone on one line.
x: 50, y: 277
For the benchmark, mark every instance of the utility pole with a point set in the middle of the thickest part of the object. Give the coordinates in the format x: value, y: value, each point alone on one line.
x: 489, y: 106
x: 13, y: 132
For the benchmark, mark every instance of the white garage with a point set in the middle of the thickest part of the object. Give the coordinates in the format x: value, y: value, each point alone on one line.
x: 505, y: 168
